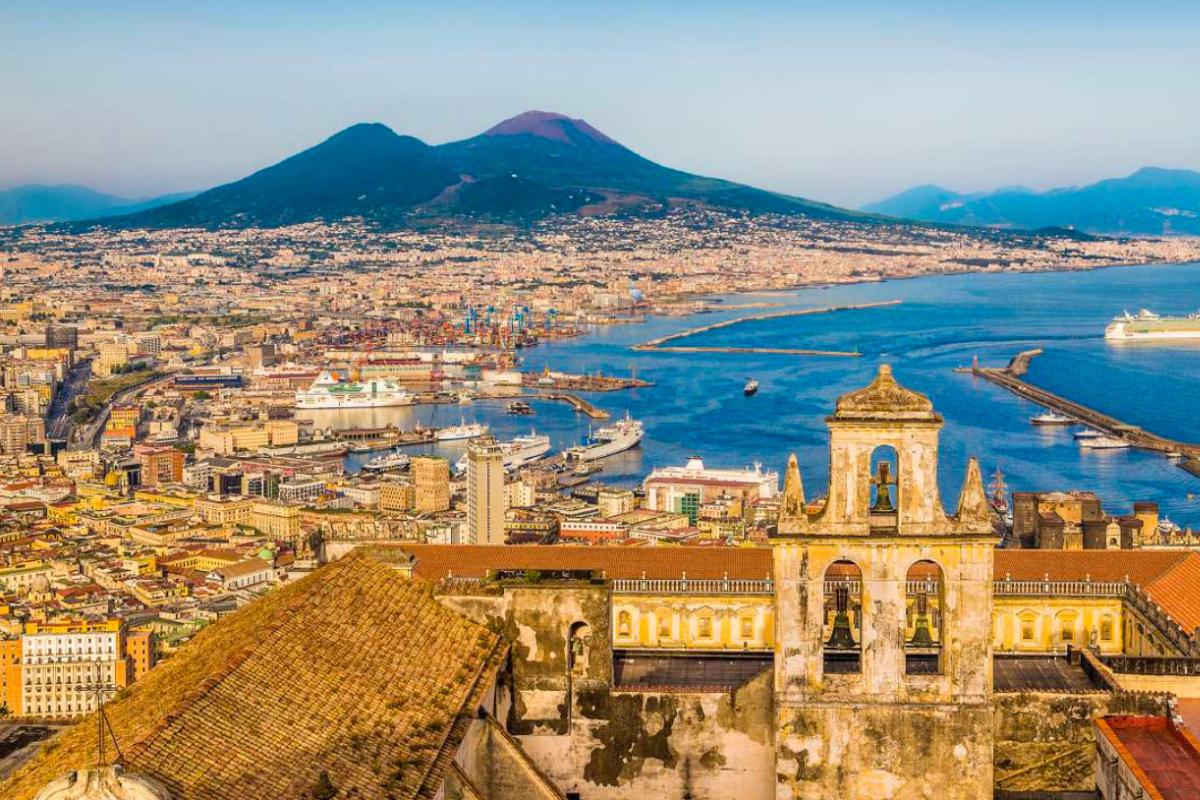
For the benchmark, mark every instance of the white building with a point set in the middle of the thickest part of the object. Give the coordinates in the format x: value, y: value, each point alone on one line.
x: 684, y: 489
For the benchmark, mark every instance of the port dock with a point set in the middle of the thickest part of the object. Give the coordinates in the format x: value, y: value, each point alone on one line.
x: 660, y: 344
x: 1010, y: 378
x: 576, y: 402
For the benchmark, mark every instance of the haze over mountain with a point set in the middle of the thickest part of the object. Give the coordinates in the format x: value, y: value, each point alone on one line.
x: 525, y: 168
x: 32, y: 203
x: 1152, y: 201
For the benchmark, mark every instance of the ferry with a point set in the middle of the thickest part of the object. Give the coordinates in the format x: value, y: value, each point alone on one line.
x: 1146, y: 326
x: 1052, y: 418
x: 329, y: 392
x: 1104, y: 443
x: 751, y: 388
x: 387, y: 462
x: 623, y: 435
x: 464, y: 430
x: 520, y: 451
x: 1087, y: 433
x: 521, y: 408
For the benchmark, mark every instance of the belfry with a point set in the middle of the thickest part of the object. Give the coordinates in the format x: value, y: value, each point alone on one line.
x: 883, y: 678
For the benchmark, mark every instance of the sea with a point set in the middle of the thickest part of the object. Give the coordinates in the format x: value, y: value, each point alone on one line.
x: 696, y: 406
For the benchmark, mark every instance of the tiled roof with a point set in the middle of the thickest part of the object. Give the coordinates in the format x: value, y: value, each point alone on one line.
x: 474, y: 561
x: 1164, y: 759
x: 354, y: 671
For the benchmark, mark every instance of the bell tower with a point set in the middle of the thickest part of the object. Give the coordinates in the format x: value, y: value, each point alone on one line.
x: 883, y: 671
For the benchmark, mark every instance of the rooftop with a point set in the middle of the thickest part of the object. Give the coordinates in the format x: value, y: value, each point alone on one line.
x: 354, y: 671
x: 1164, y: 758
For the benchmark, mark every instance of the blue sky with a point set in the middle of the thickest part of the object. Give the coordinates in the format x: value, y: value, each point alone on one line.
x: 840, y: 101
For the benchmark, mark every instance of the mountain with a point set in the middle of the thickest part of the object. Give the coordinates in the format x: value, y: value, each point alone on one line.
x: 525, y: 168
x: 22, y: 205
x: 1152, y: 201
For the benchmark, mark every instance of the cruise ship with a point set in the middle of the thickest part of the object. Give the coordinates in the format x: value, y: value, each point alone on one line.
x: 1146, y: 325
x: 520, y: 451
x: 329, y: 392
x: 387, y: 462
x: 623, y: 435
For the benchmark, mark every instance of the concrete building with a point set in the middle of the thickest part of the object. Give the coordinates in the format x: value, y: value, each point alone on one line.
x: 431, y: 484
x: 684, y: 489
x: 485, y: 491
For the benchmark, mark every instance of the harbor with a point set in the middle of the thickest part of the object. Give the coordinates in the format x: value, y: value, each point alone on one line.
x: 1010, y: 377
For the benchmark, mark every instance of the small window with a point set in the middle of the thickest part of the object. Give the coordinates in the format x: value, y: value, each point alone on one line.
x: 1106, y: 629
x: 624, y: 624
x: 1068, y: 635
x: 747, y: 627
x: 704, y: 628
x: 1027, y: 630
x: 664, y: 626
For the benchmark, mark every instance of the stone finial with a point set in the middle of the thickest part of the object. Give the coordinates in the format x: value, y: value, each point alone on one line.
x: 973, y: 509
x: 792, y: 506
x: 103, y: 783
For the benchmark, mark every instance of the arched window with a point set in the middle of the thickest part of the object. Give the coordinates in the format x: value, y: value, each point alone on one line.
x: 923, y: 619
x: 624, y: 624
x: 842, y: 632
x: 885, y: 488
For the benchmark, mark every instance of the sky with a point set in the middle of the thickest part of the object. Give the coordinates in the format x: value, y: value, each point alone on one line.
x: 846, y: 102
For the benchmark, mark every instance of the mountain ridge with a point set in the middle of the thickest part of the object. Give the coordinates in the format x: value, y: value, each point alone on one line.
x: 523, y: 169
x: 34, y: 203
x: 1151, y: 201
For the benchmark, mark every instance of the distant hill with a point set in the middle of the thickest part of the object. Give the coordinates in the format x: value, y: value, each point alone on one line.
x: 22, y: 205
x: 1152, y: 201
x: 528, y: 167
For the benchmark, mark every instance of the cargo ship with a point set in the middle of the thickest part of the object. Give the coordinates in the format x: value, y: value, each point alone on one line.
x: 1148, y: 326
x: 329, y: 392
x: 622, y: 435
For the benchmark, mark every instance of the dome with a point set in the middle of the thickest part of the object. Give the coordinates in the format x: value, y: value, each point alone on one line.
x: 885, y: 399
x: 103, y: 783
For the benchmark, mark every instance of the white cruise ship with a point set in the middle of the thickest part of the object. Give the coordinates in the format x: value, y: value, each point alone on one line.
x: 1146, y: 325
x: 622, y: 435
x: 520, y: 451
x: 329, y: 392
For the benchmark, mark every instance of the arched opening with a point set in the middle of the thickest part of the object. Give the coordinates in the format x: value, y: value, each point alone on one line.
x: 923, y: 634
x: 885, y: 489
x: 842, y: 619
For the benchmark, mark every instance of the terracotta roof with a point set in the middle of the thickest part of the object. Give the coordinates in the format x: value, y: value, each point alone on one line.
x: 1164, y: 759
x: 353, y: 670
x: 470, y: 561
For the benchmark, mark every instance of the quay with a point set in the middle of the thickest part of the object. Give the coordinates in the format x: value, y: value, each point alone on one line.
x: 658, y: 344
x: 583, y: 383
x: 1009, y: 377
x: 576, y: 402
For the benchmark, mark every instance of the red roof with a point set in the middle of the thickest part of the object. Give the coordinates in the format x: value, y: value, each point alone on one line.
x: 1164, y: 758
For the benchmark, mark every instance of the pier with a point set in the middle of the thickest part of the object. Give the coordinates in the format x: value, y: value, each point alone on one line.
x: 1010, y: 378
x: 660, y: 344
x: 576, y: 402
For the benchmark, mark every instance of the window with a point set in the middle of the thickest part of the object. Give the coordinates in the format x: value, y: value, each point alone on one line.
x: 1106, y: 629
x: 1027, y: 629
x: 704, y: 627
x: 747, y: 625
x: 624, y: 624
x: 1066, y: 628
x: 664, y: 624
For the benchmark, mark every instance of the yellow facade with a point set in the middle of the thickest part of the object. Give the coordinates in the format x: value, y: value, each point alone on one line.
x: 1050, y: 624
x: 693, y: 622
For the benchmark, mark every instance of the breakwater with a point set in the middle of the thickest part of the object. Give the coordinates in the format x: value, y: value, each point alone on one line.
x: 661, y: 345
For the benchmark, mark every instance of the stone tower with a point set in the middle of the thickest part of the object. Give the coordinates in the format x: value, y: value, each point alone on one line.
x: 883, y: 673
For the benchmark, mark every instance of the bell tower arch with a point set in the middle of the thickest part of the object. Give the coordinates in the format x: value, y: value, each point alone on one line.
x: 883, y: 673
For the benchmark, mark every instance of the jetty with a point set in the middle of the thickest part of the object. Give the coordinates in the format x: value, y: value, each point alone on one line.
x: 661, y: 343
x: 576, y: 402
x: 1010, y: 377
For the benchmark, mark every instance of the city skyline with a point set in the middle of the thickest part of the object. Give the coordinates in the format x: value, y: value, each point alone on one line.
x: 864, y: 98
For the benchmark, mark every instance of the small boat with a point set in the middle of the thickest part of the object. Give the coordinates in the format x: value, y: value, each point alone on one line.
x: 751, y: 388
x: 1087, y: 433
x: 1104, y: 443
x: 521, y: 408
x: 1052, y: 418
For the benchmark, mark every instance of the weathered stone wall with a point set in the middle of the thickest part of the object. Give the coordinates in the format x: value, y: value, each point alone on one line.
x: 604, y: 744
x: 874, y: 752
x: 1045, y: 742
